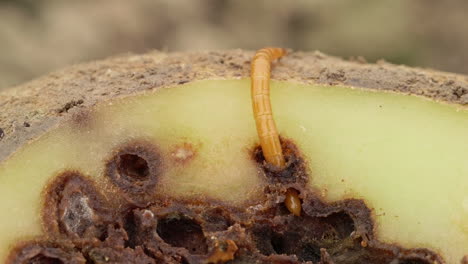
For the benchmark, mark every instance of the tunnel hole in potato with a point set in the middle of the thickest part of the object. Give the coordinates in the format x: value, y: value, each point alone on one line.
x: 133, y: 166
x: 74, y: 208
x: 181, y: 231
x: 135, y: 169
x: 295, y: 169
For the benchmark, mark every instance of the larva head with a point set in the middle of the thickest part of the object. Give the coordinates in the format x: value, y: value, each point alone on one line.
x: 158, y: 164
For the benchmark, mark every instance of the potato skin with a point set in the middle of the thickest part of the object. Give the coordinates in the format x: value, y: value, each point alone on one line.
x: 29, y: 110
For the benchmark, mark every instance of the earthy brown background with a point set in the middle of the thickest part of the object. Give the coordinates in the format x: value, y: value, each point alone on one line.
x: 37, y: 37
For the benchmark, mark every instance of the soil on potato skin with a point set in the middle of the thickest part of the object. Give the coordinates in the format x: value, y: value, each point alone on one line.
x: 83, y: 227
x: 44, y: 103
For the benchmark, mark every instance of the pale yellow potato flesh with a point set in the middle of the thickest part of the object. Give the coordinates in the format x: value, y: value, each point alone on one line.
x: 405, y: 156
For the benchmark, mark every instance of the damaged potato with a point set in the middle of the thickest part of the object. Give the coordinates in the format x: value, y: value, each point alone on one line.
x: 156, y: 159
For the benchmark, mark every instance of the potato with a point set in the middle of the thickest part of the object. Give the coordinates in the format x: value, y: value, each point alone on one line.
x: 154, y: 159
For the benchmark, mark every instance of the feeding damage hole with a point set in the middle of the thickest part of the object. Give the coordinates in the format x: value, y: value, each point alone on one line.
x: 290, y: 225
x: 305, y: 237
x: 174, y: 231
x: 74, y: 207
x: 133, y: 166
x: 135, y: 169
x: 295, y: 169
x: 180, y: 231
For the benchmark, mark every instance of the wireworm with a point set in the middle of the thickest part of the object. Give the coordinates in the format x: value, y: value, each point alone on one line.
x: 260, y: 90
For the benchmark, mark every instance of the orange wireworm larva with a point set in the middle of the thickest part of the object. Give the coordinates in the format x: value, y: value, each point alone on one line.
x: 292, y: 202
x: 260, y: 90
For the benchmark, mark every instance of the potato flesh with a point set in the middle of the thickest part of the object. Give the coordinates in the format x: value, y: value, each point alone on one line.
x: 402, y: 155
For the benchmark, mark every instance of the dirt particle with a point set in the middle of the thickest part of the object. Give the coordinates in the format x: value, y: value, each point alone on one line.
x: 2, y: 133
x: 412, y: 80
x: 338, y: 76
x: 26, y: 124
x: 235, y: 65
x: 70, y: 105
x: 459, y: 91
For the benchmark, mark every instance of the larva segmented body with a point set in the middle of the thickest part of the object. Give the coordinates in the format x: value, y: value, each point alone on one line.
x: 260, y: 90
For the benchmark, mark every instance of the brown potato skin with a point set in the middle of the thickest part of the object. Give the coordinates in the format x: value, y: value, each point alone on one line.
x: 29, y: 110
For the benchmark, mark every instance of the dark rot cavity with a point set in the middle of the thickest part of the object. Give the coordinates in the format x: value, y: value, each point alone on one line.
x: 305, y: 236
x: 181, y: 231
x: 290, y: 225
x: 74, y: 208
x: 134, y: 169
x: 44, y: 253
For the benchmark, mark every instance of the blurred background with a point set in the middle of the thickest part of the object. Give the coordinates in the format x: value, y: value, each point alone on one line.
x: 37, y: 37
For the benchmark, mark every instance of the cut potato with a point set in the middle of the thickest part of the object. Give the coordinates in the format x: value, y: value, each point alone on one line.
x: 175, y: 175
